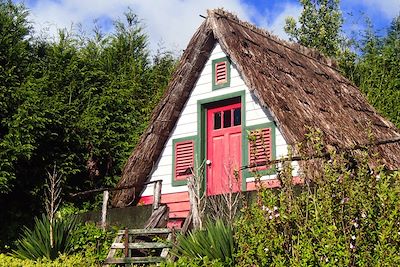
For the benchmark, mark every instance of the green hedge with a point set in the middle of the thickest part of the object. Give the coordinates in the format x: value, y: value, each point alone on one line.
x: 62, y: 261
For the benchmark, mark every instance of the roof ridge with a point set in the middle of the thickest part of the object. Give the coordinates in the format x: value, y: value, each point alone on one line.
x: 298, y: 48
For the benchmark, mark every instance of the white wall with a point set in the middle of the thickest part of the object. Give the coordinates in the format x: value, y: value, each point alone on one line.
x: 187, y: 122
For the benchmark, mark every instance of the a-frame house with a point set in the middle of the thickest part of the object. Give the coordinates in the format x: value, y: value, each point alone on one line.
x: 234, y: 79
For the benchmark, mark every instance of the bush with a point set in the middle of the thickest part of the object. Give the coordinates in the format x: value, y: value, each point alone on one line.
x: 190, y: 262
x: 214, y: 243
x: 62, y: 261
x: 350, y: 216
x: 35, y: 244
x: 92, y: 241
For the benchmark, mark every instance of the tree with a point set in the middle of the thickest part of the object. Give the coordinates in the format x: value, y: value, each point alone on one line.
x: 14, y: 55
x: 377, y: 71
x: 80, y: 103
x: 319, y: 26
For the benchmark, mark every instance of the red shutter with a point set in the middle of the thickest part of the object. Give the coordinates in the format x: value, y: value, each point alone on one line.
x: 260, y: 148
x: 184, y: 159
x: 221, y: 74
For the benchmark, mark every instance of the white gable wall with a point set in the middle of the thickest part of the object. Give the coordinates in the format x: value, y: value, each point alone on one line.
x: 187, y: 123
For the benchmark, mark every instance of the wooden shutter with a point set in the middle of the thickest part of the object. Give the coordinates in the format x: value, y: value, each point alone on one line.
x: 260, y: 148
x: 221, y: 74
x: 184, y: 159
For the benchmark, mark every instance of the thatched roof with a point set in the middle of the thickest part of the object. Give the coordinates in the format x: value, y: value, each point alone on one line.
x: 297, y: 85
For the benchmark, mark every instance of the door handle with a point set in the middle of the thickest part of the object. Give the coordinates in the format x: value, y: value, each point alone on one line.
x: 208, y: 162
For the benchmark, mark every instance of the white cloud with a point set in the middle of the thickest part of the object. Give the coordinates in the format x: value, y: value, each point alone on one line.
x: 171, y: 22
x: 390, y: 8
x: 277, y: 24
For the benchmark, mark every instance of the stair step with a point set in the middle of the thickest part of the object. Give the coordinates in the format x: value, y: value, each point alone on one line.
x: 153, y: 231
x: 141, y: 245
x: 134, y: 260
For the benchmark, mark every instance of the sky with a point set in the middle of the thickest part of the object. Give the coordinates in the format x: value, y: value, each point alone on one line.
x: 171, y: 23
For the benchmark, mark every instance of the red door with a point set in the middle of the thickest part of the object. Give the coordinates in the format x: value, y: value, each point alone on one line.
x: 224, y: 143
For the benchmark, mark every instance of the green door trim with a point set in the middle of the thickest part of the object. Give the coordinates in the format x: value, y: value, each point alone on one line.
x: 202, y: 126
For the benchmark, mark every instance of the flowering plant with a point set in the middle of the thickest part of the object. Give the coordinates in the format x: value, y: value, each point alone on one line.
x: 348, y: 215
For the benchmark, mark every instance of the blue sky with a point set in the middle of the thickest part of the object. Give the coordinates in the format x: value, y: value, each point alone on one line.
x: 172, y: 22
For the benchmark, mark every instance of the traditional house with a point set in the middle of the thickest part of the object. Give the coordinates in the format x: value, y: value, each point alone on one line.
x: 234, y: 78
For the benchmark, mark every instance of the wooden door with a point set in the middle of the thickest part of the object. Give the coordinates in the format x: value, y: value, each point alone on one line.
x: 224, y: 148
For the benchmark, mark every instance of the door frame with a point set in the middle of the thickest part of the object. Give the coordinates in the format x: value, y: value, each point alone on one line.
x: 202, y: 128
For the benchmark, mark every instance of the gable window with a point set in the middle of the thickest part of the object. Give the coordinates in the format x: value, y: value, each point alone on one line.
x: 220, y: 73
x: 183, y: 160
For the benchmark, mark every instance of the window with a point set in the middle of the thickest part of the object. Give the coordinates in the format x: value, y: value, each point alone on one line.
x: 230, y: 118
x: 183, y: 160
x: 220, y: 73
x: 260, y: 148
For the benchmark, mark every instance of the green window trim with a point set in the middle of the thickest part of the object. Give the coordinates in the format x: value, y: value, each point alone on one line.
x: 228, y: 73
x: 247, y: 173
x: 175, y: 182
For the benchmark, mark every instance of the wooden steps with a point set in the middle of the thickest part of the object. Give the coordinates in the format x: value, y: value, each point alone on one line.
x: 140, y: 246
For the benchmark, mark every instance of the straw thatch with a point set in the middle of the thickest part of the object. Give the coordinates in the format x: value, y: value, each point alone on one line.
x: 297, y: 85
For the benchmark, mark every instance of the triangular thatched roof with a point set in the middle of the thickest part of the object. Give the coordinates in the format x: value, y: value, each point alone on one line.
x: 297, y: 85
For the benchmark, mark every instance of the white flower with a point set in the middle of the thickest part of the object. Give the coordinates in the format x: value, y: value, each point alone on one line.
x: 352, y: 246
x: 363, y: 215
x: 378, y: 177
x: 270, y: 217
x: 344, y: 200
x: 266, y: 249
x: 276, y: 215
x: 353, y: 237
x: 275, y: 208
x: 355, y: 225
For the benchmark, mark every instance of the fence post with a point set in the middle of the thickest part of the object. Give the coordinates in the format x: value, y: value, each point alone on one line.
x: 104, y: 210
x: 157, y: 194
x: 126, y: 243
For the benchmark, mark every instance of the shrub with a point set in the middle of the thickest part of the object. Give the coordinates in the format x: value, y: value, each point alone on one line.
x: 190, y: 262
x: 35, y: 244
x: 92, y: 241
x: 349, y: 216
x: 76, y: 260
x: 214, y: 243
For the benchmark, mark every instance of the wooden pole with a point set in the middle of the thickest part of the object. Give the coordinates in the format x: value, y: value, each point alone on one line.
x: 157, y: 195
x: 194, y: 205
x: 126, y: 243
x: 104, y: 210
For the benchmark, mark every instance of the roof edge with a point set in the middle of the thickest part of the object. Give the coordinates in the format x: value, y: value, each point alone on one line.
x: 298, y: 48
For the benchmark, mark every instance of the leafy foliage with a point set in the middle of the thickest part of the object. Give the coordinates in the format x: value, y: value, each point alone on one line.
x: 345, y: 217
x: 190, y: 262
x: 319, y: 26
x: 215, y: 242
x: 91, y: 241
x: 14, y: 46
x: 377, y: 71
x: 76, y: 260
x: 35, y: 244
x: 80, y: 103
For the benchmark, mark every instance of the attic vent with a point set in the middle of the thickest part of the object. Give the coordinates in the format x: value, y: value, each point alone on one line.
x: 260, y: 148
x: 221, y: 73
x: 184, y: 159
